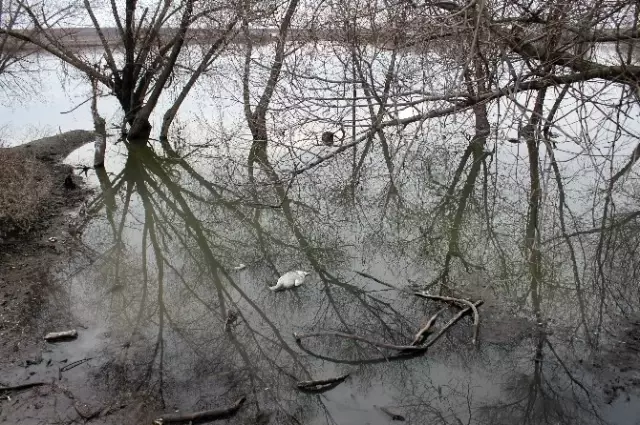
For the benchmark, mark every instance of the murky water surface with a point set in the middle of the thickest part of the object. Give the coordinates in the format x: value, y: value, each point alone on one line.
x: 178, y: 255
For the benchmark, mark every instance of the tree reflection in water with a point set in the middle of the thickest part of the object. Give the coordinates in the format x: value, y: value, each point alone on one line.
x: 193, y: 332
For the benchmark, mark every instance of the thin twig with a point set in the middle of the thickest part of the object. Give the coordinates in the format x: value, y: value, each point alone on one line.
x: 375, y: 279
x: 459, y: 301
x: 75, y: 107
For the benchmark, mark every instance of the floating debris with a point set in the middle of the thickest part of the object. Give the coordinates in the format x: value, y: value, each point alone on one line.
x: 290, y: 280
x: 61, y: 336
x: 321, y: 385
x: 232, y: 316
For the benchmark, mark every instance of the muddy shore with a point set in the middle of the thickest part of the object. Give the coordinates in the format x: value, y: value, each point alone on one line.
x: 56, y: 388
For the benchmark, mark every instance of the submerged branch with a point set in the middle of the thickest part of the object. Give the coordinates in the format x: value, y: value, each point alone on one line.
x: 421, y: 335
x: 460, y: 302
x: 450, y: 323
x: 202, y: 416
x: 299, y: 337
x: 321, y: 385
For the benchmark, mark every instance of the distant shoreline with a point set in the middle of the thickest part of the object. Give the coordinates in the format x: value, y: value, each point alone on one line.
x: 75, y: 39
x: 80, y: 38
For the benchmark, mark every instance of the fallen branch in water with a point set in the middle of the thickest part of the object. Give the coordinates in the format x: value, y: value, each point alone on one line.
x: 461, y: 302
x: 405, y: 349
x: 22, y: 386
x: 450, y: 323
x: 298, y: 337
x: 203, y: 416
x: 321, y: 385
x: 420, y: 336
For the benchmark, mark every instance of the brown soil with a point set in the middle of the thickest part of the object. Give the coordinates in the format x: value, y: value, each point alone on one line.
x: 32, y: 303
x: 26, y: 261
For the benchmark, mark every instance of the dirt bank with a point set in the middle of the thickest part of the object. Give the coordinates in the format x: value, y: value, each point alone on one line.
x: 29, y: 254
x: 38, y: 188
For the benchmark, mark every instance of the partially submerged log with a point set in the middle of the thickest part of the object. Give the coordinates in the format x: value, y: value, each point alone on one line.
x: 202, y: 416
x: 321, y: 385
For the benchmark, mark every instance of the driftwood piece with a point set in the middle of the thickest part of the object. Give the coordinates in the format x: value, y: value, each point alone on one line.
x: 202, y: 416
x: 22, y: 386
x: 321, y: 385
x: 61, y: 336
x: 298, y: 337
x: 420, y: 336
x: 461, y: 302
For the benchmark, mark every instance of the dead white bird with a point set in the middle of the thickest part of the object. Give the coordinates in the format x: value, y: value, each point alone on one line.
x: 290, y: 279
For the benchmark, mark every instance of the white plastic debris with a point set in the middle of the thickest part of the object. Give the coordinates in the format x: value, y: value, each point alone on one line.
x: 63, y: 335
x: 290, y: 280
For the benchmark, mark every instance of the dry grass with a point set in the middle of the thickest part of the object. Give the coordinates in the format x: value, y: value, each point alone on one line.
x: 25, y: 183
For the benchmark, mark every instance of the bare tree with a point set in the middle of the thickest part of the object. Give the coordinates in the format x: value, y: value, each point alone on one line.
x: 152, y: 39
x: 257, y: 117
x: 12, y: 52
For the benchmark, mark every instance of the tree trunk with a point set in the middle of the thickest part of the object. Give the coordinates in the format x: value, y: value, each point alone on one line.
x: 100, y: 127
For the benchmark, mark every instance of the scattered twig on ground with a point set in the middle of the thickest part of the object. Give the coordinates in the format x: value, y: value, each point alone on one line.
x: 461, y: 302
x: 202, y: 416
x: 321, y: 385
x: 74, y: 364
x: 22, y: 386
x: 422, y: 333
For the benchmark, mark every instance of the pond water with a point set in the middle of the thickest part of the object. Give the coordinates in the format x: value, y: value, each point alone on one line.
x: 169, y: 315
